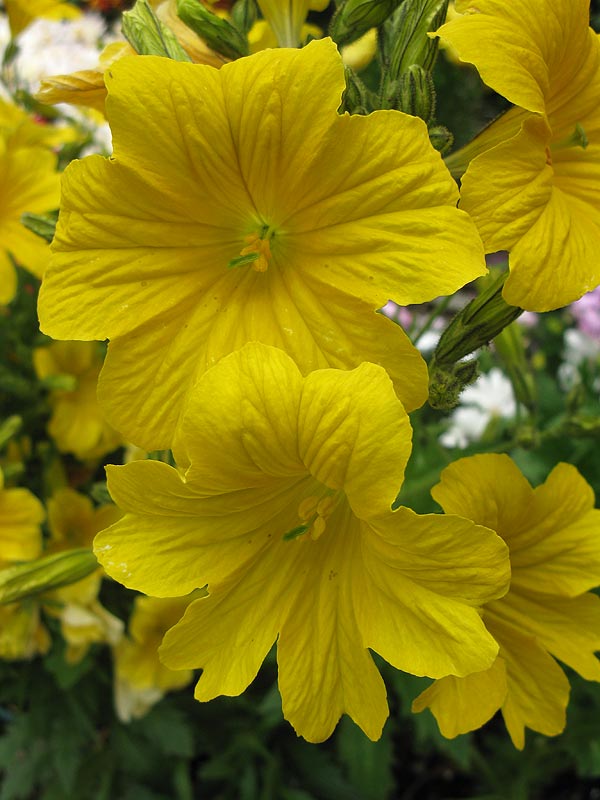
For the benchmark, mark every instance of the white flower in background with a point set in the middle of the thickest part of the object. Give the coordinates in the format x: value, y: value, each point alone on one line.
x: 52, y: 47
x: 491, y: 396
x: 580, y: 348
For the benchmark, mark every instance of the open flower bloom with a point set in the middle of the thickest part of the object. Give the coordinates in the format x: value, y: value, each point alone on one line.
x: 281, y: 504
x: 28, y: 183
x: 21, y: 13
x: 21, y: 515
x: 73, y: 523
x: 552, y: 535
x: 77, y: 424
x: 533, y: 181
x: 141, y: 679
x: 239, y: 206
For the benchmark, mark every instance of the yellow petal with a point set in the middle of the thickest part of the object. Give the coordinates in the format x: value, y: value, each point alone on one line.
x: 21, y: 515
x: 520, y: 49
x: 173, y: 540
x: 488, y: 489
x: 355, y: 435
x: 569, y: 628
x: 83, y: 88
x: 437, y: 570
x: 538, y: 690
x: 464, y: 704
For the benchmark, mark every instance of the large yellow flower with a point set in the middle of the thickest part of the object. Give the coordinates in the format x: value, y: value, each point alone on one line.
x: 533, y: 184
x: 240, y: 206
x: 28, y: 183
x: 282, y: 506
x: 552, y: 535
x: 77, y: 424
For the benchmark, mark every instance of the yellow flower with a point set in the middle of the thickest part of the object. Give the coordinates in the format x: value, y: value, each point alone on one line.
x: 321, y: 218
x: 73, y: 523
x: 22, y: 13
x: 28, y: 183
x: 77, y: 424
x: 552, y: 536
x: 23, y: 131
x: 533, y: 181
x: 21, y: 515
x: 287, y: 18
x: 140, y: 677
x: 281, y: 504
x: 22, y: 634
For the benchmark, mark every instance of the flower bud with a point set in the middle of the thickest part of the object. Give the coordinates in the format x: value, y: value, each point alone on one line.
x: 404, y: 39
x: 218, y: 34
x: 355, y: 17
x: 147, y: 34
x: 416, y: 94
x: 50, y: 572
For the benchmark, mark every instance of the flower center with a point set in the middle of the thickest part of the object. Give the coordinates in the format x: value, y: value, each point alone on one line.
x: 257, y: 251
x: 314, y: 511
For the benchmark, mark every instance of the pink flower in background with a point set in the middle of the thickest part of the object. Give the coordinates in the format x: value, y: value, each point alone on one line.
x: 587, y: 313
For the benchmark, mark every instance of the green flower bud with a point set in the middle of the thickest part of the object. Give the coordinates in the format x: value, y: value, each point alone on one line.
x: 148, y: 36
x: 404, y: 40
x: 218, y: 34
x: 447, y: 382
x: 50, y: 572
x: 477, y: 324
x: 441, y: 138
x: 244, y: 14
x: 355, y: 17
x: 357, y: 99
x: 416, y: 94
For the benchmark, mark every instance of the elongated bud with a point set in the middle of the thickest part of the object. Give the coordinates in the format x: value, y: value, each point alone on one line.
x: 42, y: 225
x: 417, y: 93
x: 218, y: 34
x: 404, y: 40
x: 476, y: 325
x: 355, y: 17
x: 356, y: 98
x: 244, y: 14
x: 43, y: 574
x: 148, y: 36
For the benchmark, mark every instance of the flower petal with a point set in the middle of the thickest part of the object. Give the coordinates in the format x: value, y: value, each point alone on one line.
x: 520, y: 48
x: 569, y: 628
x: 173, y: 540
x: 538, y: 690
x: 436, y: 570
x: 464, y: 704
x: 353, y: 434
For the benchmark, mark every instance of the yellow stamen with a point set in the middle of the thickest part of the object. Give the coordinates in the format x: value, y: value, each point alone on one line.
x: 256, y: 244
